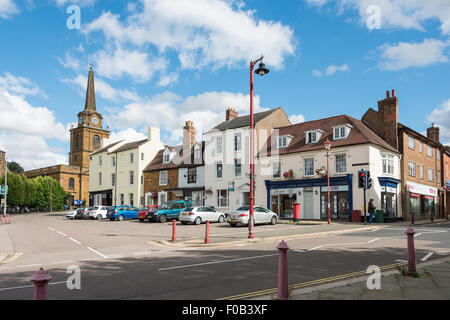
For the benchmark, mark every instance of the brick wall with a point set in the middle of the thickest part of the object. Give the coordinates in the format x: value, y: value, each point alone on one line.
x: 151, y: 182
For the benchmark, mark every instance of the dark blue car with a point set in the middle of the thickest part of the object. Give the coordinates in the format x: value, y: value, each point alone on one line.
x: 122, y: 212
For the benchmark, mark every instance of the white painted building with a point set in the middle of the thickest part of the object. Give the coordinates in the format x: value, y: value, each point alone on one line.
x: 116, y: 171
x: 289, y: 174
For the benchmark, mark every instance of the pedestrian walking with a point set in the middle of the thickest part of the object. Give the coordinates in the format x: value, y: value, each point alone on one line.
x: 371, y: 209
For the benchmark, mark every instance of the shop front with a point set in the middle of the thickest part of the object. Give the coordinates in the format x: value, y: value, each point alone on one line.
x: 313, y: 197
x: 422, y: 201
x: 389, y: 201
x: 100, y: 198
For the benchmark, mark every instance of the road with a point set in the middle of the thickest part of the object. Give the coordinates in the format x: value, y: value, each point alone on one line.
x: 122, y: 260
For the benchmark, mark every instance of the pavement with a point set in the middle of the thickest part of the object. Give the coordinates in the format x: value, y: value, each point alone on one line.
x: 432, y: 282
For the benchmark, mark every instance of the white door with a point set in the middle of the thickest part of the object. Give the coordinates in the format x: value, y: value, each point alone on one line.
x: 308, y: 206
x: 97, y: 200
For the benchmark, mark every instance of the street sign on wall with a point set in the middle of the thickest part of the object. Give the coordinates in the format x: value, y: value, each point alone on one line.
x: 2, y: 190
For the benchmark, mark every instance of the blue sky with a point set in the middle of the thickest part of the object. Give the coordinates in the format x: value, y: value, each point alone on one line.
x: 162, y: 62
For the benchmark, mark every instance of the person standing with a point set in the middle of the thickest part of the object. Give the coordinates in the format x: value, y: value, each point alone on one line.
x: 371, y: 209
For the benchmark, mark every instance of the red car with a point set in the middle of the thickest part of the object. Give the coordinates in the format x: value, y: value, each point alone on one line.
x: 142, y: 215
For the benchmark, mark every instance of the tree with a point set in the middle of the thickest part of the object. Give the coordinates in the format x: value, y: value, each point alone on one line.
x: 15, y: 167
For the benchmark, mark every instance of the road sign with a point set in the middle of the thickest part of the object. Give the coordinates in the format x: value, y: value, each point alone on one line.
x: 2, y: 190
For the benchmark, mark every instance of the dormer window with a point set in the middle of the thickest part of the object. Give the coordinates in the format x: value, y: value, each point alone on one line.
x: 284, y: 141
x: 341, y: 132
x: 313, y: 136
x: 166, y: 156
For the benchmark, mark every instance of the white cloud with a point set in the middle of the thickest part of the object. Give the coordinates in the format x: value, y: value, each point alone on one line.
x: 405, y: 55
x: 83, y: 3
x: 8, y: 8
x: 19, y: 85
x: 205, y: 32
x: 129, y: 134
x: 296, y: 118
x: 168, y: 79
x: 330, y: 70
x: 404, y: 14
x: 441, y: 118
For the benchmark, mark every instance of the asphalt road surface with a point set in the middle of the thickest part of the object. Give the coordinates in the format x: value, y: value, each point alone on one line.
x: 123, y: 261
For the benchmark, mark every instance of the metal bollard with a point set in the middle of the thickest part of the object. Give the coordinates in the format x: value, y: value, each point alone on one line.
x: 412, y: 217
x: 431, y: 216
x: 283, y: 292
x: 411, y: 252
x: 40, y: 280
x: 174, y: 230
x: 207, y: 232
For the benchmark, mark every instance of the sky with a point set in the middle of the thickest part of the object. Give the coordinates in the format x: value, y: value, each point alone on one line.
x: 164, y: 62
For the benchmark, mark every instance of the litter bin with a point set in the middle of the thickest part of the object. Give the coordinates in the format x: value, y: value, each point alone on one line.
x: 356, y: 216
x: 379, y: 216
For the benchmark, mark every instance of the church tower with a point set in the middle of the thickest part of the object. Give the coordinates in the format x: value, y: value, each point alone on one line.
x: 87, y: 136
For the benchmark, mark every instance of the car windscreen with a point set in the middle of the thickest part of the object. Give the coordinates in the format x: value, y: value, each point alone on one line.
x: 187, y: 209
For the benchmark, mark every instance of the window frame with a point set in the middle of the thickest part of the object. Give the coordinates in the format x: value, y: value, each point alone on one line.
x: 166, y: 179
x: 344, y: 155
x: 237, y: 141
x: 131, y: 177
x: 278, y: 162
x: 305, y: 167
x: 237, y: 164
x: 411, y: 141
x: 219, y: 200
x: 192, y: 177
x: 411, y: 168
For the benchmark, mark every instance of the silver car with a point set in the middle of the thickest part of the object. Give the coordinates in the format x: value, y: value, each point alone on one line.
x: 261, y: 216
x: 198, y: 215
x: 98, y: 213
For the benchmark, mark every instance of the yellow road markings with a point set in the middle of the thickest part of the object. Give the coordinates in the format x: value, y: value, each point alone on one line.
x: 309, y: 283
x: 11, y: 258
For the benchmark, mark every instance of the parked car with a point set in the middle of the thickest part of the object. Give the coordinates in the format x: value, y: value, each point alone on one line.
x: 168, y: 210
x: 261, y: 215
x: 98, y: 213
x: 142, y: 215
x: 198, y: 215
x: 71, y: 214
x: 80, y: 213
x: 122, y: 212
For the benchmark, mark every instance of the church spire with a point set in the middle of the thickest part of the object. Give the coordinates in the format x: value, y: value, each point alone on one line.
x: 90, y: 93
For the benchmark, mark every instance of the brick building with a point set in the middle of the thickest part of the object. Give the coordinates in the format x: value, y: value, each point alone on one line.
x: 421, y: 163
x: 177, y: 173
x: 86, y: 138
x: 2, y: 162
x: 446, y: 178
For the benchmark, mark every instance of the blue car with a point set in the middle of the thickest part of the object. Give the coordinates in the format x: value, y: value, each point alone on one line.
x: 122, y: 212
x: 168, y: 210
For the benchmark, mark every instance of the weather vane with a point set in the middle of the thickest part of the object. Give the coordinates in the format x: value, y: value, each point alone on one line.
x: 91, y: 66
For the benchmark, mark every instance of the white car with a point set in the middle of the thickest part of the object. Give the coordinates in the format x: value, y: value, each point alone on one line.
x: 98, y: 213
x: 261, y: 215
x: 198, y: 215
x: 71, y: 214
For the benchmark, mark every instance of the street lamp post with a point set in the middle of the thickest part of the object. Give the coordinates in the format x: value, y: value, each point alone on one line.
x: 328, y: 148
x: 6, y: 187
x: 262, y: 70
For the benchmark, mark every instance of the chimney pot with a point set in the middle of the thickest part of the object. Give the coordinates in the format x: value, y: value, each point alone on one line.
x: 387, y: 94
x: 393, y: 93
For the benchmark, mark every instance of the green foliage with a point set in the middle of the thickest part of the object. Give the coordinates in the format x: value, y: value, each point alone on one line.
x: 15, y: 167
x: 39, y: 192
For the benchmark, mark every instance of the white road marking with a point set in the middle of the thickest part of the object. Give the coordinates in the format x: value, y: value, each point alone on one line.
x: 298, y: 250
x: 76, y: 241
x: 416, y: 235
x: 30, y: 286
x: 51, y: 229
x: 63, y: 234
x: 116, y: 256
x: 427, y: 256
x: 373, y: 240
x: 29, y: 265
x: 401, y: 260
x: 375, y: 230
x: 60, y: 262
x: 95, y: 251
x: 318, y: 247
x: 142, y: 253
x: 216, y: 262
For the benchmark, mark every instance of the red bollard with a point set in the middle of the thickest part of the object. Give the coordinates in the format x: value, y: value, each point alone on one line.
x: 207, y: 232
x: 296, y: 212
x: 283, y: 292
x: 40, y: 280
x: 411, y: 252
x: 174, y: 230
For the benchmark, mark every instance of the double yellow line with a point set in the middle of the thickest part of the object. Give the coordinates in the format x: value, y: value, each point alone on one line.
x: 309, y: 283
x: 11, y: 258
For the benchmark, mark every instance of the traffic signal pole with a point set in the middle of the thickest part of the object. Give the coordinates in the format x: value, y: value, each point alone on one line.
x: 365, y: 207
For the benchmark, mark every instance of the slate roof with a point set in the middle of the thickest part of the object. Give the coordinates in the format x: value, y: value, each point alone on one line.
x: 243, y: 121
x: 106, y: 148
x: 157, y: 163
x: 131, y: 145
x: 359, y: 134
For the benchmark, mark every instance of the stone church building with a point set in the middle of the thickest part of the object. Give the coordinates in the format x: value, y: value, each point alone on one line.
x: 86, y: 138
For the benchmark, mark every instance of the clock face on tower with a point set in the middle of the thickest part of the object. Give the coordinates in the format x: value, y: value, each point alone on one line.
x: 94, y: 120
x: 80, y: 119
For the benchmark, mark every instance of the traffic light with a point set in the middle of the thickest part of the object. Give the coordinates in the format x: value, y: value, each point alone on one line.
x: 362, y: 179
x: 369, y: 181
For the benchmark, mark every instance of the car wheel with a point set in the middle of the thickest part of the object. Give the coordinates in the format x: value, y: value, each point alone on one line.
x: 184, y: 222
x: 198, y: 221
x: 233, y: 224
x: 121, y: 218
x: 162, y: 218
x: 99, y: 217
x: 221, y: 219
x: 273, y: 221
x: 141, y: 220
x: 111, y: 219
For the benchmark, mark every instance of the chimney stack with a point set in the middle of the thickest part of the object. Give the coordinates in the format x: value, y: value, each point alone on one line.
x: 188, y: 141
x: 433, y: 133
x: 231, y: 113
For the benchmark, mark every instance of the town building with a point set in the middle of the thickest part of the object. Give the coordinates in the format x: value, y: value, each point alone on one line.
x: 293, y: 167
x: 117, y: 171
x: 227, y: 156
x: 421, y: 160
x: 446, y: 179
x: 177, y: 173
x: 2, y: 162
x: 86, y: 138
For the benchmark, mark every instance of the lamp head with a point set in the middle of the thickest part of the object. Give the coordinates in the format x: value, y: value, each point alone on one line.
x: 262, y: 70
x: 327, y: 145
